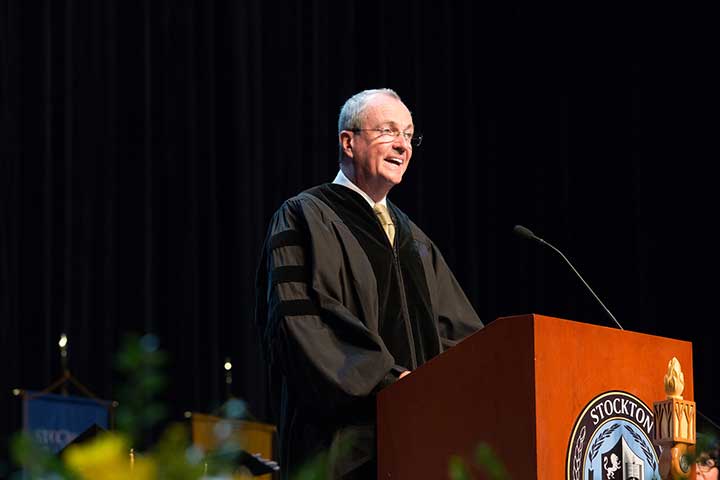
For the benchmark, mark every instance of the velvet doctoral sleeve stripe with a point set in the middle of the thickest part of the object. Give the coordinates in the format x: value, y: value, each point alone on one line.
x: 328, y: 356
x: 287, y: 238
x: 295, y: 308
x: 289, y: 273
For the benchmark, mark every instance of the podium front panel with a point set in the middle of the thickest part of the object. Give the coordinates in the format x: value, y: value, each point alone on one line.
x: 518, y: 386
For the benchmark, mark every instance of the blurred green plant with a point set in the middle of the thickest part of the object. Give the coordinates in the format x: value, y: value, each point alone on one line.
x: 37, y: 461
x: 485, y: 459
x: 141, y: 363
x: 458, y: 469
x: 108, y: 456
x: 317, y: 467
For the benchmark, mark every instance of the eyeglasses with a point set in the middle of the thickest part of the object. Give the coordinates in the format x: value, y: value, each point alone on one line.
x: 411, y: 138
x: 704, y: 465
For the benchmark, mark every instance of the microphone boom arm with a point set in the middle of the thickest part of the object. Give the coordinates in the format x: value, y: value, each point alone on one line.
x: 582, y: 280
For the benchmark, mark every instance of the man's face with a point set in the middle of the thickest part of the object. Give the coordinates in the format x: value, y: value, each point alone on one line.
x: 379, y: 161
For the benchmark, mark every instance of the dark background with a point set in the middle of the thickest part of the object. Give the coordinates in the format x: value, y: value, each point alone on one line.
x: 145, y: 146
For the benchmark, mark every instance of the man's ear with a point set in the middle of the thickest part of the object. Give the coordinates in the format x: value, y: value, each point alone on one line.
x: 346, y: 143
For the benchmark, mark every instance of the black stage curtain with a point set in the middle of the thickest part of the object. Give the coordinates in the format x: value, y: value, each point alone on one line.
x: 145, y: 145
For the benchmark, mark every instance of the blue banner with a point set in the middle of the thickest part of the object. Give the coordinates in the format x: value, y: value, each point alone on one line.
x: 55, y: 420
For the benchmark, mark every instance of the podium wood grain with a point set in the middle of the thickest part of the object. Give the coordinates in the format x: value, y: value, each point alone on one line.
x: 518, y: 385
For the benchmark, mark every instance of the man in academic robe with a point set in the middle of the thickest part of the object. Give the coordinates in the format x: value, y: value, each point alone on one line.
x: 352, y: 295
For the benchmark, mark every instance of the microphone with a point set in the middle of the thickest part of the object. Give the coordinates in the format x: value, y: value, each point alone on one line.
x: 528, y: 234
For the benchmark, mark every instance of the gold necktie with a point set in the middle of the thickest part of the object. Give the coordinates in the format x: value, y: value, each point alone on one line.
x: 387, y: 223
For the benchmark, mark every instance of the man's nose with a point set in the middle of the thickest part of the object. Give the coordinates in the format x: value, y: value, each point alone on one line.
x: 400, y: 144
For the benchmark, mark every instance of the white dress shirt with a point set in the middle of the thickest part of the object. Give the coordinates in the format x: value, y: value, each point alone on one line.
x: 341, y: 179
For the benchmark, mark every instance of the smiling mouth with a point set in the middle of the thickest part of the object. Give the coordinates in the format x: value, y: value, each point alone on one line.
x: 394, y: 161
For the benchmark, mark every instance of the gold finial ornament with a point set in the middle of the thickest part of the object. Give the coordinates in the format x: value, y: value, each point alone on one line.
x: 674, y: 380
x: 675, y: 427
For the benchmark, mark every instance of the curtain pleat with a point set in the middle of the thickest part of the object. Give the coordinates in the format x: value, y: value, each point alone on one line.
x: 145, y: 145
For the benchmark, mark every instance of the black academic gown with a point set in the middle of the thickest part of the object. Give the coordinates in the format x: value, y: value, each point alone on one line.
x: 342, y: 313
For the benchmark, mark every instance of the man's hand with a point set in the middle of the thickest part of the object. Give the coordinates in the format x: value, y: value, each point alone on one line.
x: 406, y: 372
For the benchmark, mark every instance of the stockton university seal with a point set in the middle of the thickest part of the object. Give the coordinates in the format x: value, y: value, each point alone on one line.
x: 612, y: 440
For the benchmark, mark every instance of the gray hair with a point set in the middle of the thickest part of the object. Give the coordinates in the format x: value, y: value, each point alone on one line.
x: 351, y: 114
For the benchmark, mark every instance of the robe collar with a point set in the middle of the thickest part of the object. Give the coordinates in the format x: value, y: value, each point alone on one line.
x: 341, y: 179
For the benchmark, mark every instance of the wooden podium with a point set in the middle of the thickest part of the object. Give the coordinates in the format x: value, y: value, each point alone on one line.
x: 518, y: 385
